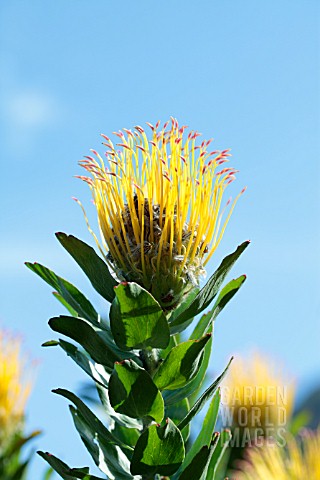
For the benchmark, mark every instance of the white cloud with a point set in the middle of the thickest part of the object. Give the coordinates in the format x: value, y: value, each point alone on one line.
x: 26, y: 111
x: 26, y: 114
x: 30, y: 110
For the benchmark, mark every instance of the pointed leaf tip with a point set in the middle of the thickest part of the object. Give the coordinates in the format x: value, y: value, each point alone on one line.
x: 50, y: 343
x: 83, y: 333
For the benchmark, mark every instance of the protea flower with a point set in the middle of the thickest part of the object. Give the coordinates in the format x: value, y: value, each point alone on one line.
x: 159, y: 203
x: 14, y: 388
x: 298, y: 460
x: 259, y: 398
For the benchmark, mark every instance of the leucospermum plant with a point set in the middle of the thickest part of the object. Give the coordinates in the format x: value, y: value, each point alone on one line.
x: 300, y: 459
x: 15, y: 387
x: 257, y: 399
x: 161, y: 212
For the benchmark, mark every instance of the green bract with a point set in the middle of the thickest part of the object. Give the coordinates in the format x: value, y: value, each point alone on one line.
x: 149, y: 376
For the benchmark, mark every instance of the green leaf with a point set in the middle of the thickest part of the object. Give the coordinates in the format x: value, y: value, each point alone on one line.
x: 72, y: 296
x: 223, y: 298
x: 93, y: 266
x: 181, y: 364
x: 197, y: 469
x: 88, y: 416
x: 105, y: 449
x: 184, y: 304
x: 129, y: 436
x: 299, y: 421
x: 173, y: 396
x: 15, y: 446
x: 50, y: 343
x: 101, y: 453
x: 119, y: 418
x: 158, y: 450
x: 208, y: 292
x: 63, y: 302
x: 218, y: 453
x: 202, y: 326
x: 137, y: 320
x: 207, y: 430
x: 200, y: 403
x: 174, y: 340
x: 107, y: 337
x: 177, y: 412
x: 133, y: 392
x: 101, y: 377
x: 19, y: 471
x: 64, y: 470
x: 227, y: 293
x: 80, y: 331
x: 48, y: 474
x: 95, y: 371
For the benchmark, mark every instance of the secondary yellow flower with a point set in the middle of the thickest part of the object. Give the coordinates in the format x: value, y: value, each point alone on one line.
x: 259, y: 399
x: 299, y: 460
x: 14, y: 388
x: 159, y: 201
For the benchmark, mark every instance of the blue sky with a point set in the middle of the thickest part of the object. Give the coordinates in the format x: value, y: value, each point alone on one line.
x: 245, y: 73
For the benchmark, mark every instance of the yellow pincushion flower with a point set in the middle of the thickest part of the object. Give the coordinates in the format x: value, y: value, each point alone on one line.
x: 259, y: 399
x: 159, y: 202
x: 299, y: 460
x: 14, y: 388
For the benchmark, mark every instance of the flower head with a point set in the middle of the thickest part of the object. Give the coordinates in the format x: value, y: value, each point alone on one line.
x: 259, y: 398
x: 159, y: 203
x: 14, y: 388
x: 298, y: 460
